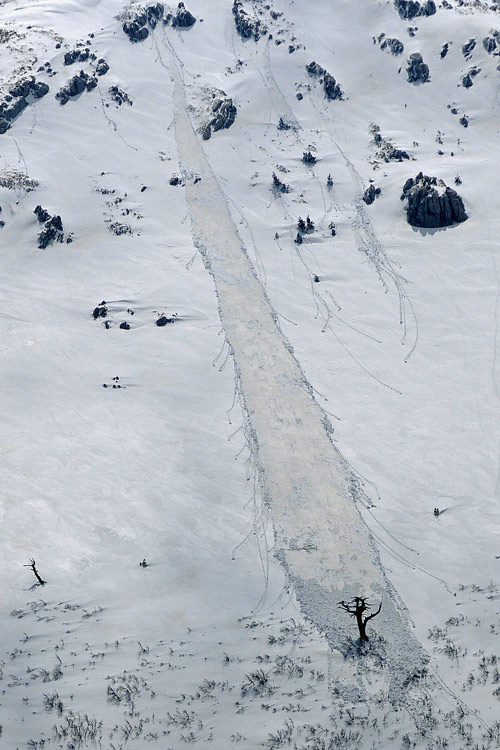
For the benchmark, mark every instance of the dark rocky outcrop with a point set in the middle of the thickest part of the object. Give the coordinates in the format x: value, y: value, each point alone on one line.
x: 431, y: 203
x: 489, y: 44
x: 417, y: 70
x: 76, y: 85
x: 101, y: 311
x: 247, y: 26
x: 468, y: 47
x: 467, y: 81
x: 163, y: 320
x: 138, y: 25
x: 183, y: 19
x: 119, y: 96
x: 101, y: 67
x: 331, y: 88
x: 223, y: 115
x: 78, y: 55
x: 445, y: 50
x: 409, y: 9
x: 390, y: 44
x: 370, y: 194
x: 16, y: 100
x: 53, y: 228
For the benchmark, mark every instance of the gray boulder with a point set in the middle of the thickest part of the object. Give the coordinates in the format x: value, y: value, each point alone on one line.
x: 430, y: 203
x: 417, y: 70
x: 183, y: 19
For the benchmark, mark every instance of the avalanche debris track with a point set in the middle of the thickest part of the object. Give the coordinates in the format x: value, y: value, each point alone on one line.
x: 320, y: 537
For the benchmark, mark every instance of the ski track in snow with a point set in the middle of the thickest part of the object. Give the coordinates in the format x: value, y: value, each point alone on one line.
x: 320, y: 537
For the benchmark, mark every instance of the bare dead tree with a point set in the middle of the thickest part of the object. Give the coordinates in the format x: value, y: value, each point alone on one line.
x: 356, y: 608
x: 32, y: 565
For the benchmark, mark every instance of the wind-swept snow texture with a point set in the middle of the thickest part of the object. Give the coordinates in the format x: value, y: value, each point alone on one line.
x: 126, y: 434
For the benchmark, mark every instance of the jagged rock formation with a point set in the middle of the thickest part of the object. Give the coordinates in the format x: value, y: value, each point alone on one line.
x: 138, y: 25
x: 53, y: 229
x: 370, y: 194
x: 409, y: 9
x: 331, y: 87
x: 390, y: 44
x: 431, y: 203
x: 80, y: 82
x: 247, y: 26
x: 16, y: 100
x: 183, y: 19
x: 223, y: 116
x: 417, y: 70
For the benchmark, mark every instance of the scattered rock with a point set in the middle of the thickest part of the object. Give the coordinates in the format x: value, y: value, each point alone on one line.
x: 247, y: 26
x: 125, y: 326
x: 417, y: 70
x: 468, y: 47
x: 467, y: 81
x: 175, y: 180
x: 464, y: 121
x: 370, y: 194
x: 331, y: 88
x: 445, y: 49
x: 119, y: 96
x: 119, y: 229
x: 431, y: 203
x: 409, y: 9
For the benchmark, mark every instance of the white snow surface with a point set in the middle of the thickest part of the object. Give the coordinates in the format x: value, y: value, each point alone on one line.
x: 284, y: 442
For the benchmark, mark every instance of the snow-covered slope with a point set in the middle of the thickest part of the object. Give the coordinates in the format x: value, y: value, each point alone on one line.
x: 281, y: 439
